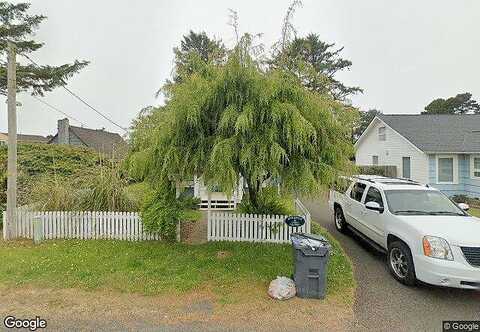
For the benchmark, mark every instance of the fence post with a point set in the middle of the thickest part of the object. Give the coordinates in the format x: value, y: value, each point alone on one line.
x: 37, y: 229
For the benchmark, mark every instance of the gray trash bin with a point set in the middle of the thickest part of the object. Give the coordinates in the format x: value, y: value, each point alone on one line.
x: 310, y: 253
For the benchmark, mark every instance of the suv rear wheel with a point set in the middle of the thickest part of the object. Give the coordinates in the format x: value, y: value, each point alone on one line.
x: 400, y: 263
x: 340, y: 223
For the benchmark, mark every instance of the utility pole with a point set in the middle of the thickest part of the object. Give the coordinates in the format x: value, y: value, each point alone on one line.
x: 12, y: 143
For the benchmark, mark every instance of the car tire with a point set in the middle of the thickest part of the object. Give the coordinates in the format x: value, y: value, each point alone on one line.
x: 400, y: 263
x: 339, y: 220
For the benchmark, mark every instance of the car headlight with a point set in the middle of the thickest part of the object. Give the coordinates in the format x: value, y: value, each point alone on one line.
x: 436, y: 247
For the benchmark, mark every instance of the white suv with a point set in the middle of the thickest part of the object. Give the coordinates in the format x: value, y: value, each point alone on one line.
x: 426, y: 235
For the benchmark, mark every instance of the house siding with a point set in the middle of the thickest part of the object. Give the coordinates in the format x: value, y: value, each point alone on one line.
x: 472, y: 185
x: 391, y: 151
x: 72, y: 140
x: 465, y: 186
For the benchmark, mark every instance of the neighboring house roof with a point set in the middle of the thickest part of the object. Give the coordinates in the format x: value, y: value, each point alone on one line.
x: 29, y: 138
x: 98, y: 139
x: 438, y: 132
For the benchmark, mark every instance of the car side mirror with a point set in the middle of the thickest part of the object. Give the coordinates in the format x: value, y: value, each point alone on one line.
x: 374, y: 206
x: 464, y: 206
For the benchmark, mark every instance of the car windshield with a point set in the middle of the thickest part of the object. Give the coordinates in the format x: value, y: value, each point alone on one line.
x: 421, y: 202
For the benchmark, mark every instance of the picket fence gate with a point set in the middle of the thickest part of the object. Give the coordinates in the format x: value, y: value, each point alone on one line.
x: 125, y: 226
x: 227, y: 226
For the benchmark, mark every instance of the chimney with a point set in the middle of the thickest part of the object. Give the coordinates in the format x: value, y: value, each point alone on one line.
x: 63, y: 131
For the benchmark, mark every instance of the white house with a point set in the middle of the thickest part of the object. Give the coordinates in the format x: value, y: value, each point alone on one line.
x: 440, y: 150
x: 216, y: 199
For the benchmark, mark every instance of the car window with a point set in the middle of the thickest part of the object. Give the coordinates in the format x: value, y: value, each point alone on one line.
x: 421, y: 202
x: 357, y: 191
x: 373, y: 195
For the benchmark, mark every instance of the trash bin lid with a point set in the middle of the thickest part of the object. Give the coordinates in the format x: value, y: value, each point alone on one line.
x: 310, y: 244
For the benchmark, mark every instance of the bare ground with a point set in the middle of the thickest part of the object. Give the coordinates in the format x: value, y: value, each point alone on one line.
x: 79, y: 310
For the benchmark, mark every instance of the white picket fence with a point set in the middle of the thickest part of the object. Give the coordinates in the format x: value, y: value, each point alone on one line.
x: 81, y: 225
x: 226, y: 226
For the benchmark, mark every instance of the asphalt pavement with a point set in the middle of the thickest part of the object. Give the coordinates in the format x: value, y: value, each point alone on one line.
x: 382, y: 303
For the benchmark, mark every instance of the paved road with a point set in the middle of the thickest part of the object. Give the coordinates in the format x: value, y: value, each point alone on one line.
x: 382, y: 303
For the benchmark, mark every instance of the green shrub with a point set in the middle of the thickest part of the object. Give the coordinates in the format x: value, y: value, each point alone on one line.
x: 460, y: 198
x: 474, y: 202
x: 104, y: 189
x: 189, y: 202
x: 52, y: 194
x: 388, y: 171
x: 101, y: 188
x: 269, y: 202
x: 162, y: 212
x: 36, y: 161
x: 138, y: 192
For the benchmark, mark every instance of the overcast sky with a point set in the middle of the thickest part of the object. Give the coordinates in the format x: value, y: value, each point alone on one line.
x: 404, y: 53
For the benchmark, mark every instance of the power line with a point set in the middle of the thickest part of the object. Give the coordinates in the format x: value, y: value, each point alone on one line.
x: 58, y: 110
x: 81, y: 99
x: 93, y: 108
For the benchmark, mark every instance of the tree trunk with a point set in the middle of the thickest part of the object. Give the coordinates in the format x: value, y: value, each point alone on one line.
x: 253, y: 195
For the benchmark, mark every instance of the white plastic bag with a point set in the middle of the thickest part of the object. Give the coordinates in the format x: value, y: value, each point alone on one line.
x: 282, y: 288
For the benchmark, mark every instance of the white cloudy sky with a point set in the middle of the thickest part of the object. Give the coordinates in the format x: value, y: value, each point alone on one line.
x: 404, y: 53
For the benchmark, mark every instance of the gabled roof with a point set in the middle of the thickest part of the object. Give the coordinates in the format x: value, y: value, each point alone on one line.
x: 100, y: 140
x: 438, y: 132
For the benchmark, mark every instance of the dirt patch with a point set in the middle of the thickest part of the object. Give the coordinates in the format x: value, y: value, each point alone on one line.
x: 194, y: 232
x: 223, y: 254
x: 74, y: 309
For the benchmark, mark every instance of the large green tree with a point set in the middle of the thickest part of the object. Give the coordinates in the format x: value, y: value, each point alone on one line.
x: 195, y: 48
x: 316, y: 64
x: 235, y: 119
x: 363, y: 121
x: 460, y: 104
x: 18, y: 26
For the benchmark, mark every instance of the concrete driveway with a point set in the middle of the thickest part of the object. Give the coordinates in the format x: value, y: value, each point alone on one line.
x: 383, y: 304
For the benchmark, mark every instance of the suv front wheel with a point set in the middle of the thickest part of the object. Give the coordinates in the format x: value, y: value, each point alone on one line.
x: 400, y: 263
x: 339, y: 218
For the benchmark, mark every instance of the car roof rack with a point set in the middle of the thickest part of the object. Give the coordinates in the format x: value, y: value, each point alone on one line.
x: 386, y: 180
x: 364, y: 179
x: 409, y: 180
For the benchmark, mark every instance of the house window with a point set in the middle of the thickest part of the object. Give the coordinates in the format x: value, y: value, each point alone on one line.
x: 382, y: 134
x: 475, y: 165
x: 406, y: 168
x: 446, y: 169
x: 375, y: 160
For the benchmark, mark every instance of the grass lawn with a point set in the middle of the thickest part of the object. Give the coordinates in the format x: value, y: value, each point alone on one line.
x: 152, y: 268
x: 474, y: 212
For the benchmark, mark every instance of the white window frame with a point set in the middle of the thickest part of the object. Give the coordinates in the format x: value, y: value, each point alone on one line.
x: 455, y: 168
x: 472, y: 165
x: 373, y: 160
x: 382, y: 133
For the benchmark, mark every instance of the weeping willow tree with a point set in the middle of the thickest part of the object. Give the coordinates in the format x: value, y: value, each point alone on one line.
x: 240, y: 120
